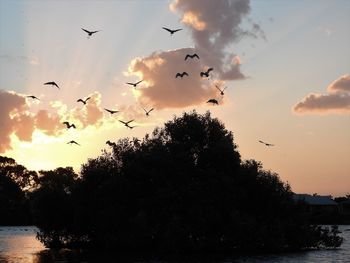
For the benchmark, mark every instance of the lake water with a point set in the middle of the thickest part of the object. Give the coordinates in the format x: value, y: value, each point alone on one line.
x: 19, y: 245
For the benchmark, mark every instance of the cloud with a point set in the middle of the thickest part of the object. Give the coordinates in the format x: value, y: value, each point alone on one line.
x: 16, y: 118
x: 342, y: 84
x: 337, y: 100
x: 162, y: 89
x: 89, y: 114
x: 214, y: 27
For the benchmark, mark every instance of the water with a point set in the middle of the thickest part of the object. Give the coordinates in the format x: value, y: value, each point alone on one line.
x: 19, y: 245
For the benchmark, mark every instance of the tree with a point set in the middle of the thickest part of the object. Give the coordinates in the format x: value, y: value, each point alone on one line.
x: 185, y: 188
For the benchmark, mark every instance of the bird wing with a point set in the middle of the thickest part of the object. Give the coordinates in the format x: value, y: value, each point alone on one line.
x: 129, y: 83
x: 87, y: 99
x: 178, y: 75
x: 87, y: 31
x: 123, y: 122
x: 55, y: 84
x: 195, y: 56
x: 202, y: 74
x: 150, y: 110
x: 210, y: 69
x: 167, y: 29
x: 187, y: 56
x: 138, y: 82
x: 177, y: 30
x: 129, y: 121
x: 75, y: 143
x: 93, y: 32
x: 48, y: 83
x: 80, y: 100
x: 262, y: 142
x: 218, y: 88
x: 107, y: 110
x: 184, y: 73
x: 72, y: 125
x: 66, y: 123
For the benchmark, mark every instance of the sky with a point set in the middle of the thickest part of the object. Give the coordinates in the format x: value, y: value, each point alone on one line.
x: 285, y: 64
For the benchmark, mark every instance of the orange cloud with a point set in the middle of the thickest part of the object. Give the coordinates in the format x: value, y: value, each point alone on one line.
x: 336, y: 101
x: 162, y: 89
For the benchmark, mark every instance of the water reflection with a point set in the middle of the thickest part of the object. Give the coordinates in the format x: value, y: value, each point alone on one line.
x: 19, y: 245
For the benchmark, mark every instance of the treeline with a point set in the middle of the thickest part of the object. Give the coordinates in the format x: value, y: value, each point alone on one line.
x: 183, y: 188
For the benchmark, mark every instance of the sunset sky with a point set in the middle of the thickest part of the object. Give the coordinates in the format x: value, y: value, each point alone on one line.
x: 286, y: 65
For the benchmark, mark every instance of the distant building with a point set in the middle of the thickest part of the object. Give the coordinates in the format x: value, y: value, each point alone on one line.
x: 318, y: 203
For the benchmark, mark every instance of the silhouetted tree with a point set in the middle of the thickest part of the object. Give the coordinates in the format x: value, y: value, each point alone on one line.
x: 184, y: 188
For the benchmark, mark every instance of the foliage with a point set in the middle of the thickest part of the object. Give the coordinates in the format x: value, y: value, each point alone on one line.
x: 184, y: 188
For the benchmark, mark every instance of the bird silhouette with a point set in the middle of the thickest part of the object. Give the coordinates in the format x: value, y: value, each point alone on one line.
x: 126, y: 123
x: 134, y: 84
x: 206, y: 73
x: 147, y: 112
x: 111, y: 111
x: 69, y: 125
x: 73, y: 142
x: 111, y: 143
x: 84, y: 101
x: 213, y: 101
x: 131, y: 127
x: 267, y: 144
x: 191, y: 56
x: 52, y: 83
x: 221, y: 90
x: 32, y: 97
x: 90, y: 33
x: 181, y: 74
x: 172, y: 31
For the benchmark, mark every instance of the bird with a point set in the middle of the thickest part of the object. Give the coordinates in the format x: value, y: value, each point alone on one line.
x: 127, y: 123
x: 267, y: 144
x: 213, y: 101
x: 171, y: 31
x: 84, y: 101
x: 134, y: 84
x: 191, y: 56
x: 32, y: 97
x: 73, y: 142
x: 221, y: 90
x: 52, y: 83
x: 131, y: 127
x: 90, y: 32
x: 181, y: 74
x: 111, y: 143
x: 69, y: 125
x: 206, y: 73
x: 111, y: 111
x: 147, y: 112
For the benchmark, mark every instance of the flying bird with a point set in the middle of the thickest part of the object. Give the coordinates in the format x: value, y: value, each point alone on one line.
x: 206, y: 73
x: 126, y: 123
x: 191, y: 56
x: 32, y: 97
x: 73, y: 142
x: 111, y: 111
x: 172, y: 31
x: 267, y: 144
x: 221, y: 90
x: 147, y: 112
x: 213, y: 101
x: 90, y: 32
x: 52, y: 83
x: 134, y: 84
x: 181, y: 74
x: 69, y: 125
x: 111, y: 143
x: 84, y: 101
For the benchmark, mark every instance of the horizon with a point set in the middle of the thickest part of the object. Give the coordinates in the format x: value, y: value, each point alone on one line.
x: 286, y: 66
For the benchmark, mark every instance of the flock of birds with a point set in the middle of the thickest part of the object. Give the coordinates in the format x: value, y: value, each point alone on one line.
x: 147, y: 112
